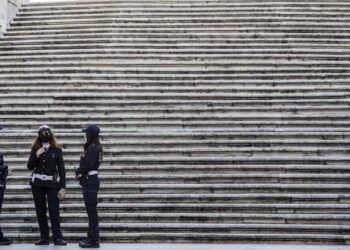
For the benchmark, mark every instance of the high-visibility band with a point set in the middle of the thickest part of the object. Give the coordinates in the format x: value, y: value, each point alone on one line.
x: 93, y: 172
x: 43, y: 177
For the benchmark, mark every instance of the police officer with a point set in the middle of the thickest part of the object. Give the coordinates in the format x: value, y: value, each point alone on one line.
x: 48, y: 181
x: 88, y: 177
x: 3, y: 174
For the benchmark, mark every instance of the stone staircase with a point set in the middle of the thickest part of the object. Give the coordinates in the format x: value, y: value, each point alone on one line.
x: 223, y: 120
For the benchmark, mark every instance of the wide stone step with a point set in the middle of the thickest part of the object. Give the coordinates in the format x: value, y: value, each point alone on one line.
x: 194, y: 13
x: 185, y: 76
x: 197, y: 237
x: 122, y: 31
x: 174, y: 188
x: 181, y: 103
x: 301, y: 31
x: 254, y: 46
x: 200, y: 18
x: 20, y: 170
x: 177, y: 29
x: 30, y: 10
x: 300, y: 75
x: 232, y: 134
x: 167, y: 96
x: 190, y: 207
x: 178, y: 123
x: 159, y: 108
x: 252, y: 117
x: 114, y: 226
x: 196, y: 151
x: 175, y: 89
x: 248, y: 197
x: 216, y: 52
x: 63, y: 5
x: 133, y: 8
x: 165, y: 5
x: 259, y: 218
x: 123, y: 135
x: 174, y: 63
x: 110, y: 141
x: 103, y: 85
x: 180, y: 45
x: 156, y: 12
x: 180, y: 71
x: 326, y: 159
x: 219, y: 43
x: 336, y: 127
x: 295, y: 27
x: 168, y: 109
x: 94, y: 4
x: 236, y: 101
x: 108, y: 42
x: 292, y: 178
x: 179, y: 51
x: 185, y: 57
x: 110, y: 227
x: 265, y: 37
x: 180, y: 65
x: 289, y: 126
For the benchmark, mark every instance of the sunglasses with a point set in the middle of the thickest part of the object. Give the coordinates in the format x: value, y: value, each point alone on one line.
x: 45, y: 133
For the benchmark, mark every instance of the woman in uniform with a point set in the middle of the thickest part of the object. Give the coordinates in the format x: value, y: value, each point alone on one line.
x: 3, y: 174
x: 48, y: 182
x: 88, y: 178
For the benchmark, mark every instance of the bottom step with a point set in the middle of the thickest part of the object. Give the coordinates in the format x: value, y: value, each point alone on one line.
x: 196, y: 237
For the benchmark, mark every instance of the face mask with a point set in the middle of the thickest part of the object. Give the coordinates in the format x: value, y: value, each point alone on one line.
x: 45, y: 138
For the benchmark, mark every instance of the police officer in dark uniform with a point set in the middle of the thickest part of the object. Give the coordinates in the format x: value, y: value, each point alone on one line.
x: 48, y: 181
x: 88, y: 177
x: 3, y: 175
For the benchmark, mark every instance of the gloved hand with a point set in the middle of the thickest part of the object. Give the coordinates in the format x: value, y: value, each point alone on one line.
x: 78, y: 175
x: 61, y: 194
x: 40, y: 151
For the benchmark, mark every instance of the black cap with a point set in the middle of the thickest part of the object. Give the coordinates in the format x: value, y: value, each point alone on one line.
x: 44, y: 128
x: 91, y: 130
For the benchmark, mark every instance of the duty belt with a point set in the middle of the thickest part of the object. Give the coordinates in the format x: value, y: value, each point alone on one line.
x: 43, y: 177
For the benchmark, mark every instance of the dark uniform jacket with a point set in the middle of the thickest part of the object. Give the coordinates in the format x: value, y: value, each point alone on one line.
x: 89, y: 161
x: 49, y: 163
x: 3, y: 172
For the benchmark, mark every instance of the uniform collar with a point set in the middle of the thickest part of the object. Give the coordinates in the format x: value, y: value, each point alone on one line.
x: 46, y: 147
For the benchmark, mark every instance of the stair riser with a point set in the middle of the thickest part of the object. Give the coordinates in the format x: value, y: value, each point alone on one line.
x: 221, y: 180
x: 178, y: 230
x: 10, y: 199
x: 188, y: 238
x: 175, y: 190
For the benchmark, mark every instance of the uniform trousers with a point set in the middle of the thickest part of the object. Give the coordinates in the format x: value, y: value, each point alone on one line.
x: 40, y: 194
x: 90, y: 186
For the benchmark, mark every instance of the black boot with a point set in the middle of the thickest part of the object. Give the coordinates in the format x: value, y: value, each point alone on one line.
x: 42, y: 242
x: 59, y: 242
x: 5, y: 241
x: 84, y: 241
x: 89, y: 244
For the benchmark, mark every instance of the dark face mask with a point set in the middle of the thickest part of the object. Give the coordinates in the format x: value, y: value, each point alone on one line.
x: 45, y: 138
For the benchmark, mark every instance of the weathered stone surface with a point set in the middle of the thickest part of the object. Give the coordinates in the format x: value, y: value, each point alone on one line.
x: 222, y: 121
